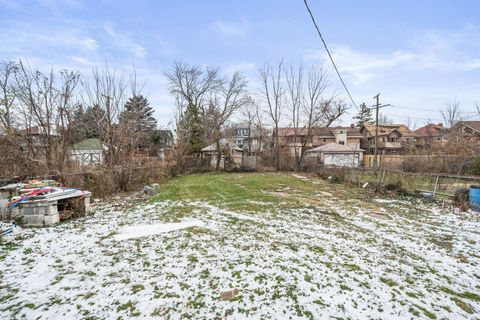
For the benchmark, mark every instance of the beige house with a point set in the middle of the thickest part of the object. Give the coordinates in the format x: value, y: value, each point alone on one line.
x: 470, y: 130
x: 291, y: 139
x: 392, y: 138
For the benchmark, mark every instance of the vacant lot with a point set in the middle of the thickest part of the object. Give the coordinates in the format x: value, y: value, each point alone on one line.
x: 251, y: 246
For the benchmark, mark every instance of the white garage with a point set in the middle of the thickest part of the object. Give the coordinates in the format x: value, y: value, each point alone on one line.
x: 337, y: 155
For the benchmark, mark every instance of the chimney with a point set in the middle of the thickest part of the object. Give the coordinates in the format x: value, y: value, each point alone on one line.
x: 440, y: 124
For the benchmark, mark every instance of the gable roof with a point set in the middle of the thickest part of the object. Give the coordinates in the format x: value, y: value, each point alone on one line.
x: 387, y: 128
x: 475, y: 125
x: 319, y: 131
x: 223, y: 143
x: 430, y: 130
x: 88, y: 144
x: 335, y: 147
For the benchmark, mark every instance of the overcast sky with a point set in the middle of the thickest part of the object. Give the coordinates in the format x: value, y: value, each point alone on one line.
x: 418, y: 54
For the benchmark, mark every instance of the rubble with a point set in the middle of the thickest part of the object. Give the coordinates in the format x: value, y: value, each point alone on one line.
x: 41, y: 202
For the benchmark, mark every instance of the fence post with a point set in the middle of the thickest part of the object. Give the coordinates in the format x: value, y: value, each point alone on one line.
x: 435, y: 188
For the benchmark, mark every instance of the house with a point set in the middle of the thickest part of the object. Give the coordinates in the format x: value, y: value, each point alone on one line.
x: 291, y: 139
x: 163, y: 139
x: 250, y: 140
x: 38, y: 136
x: 241, y: 134
x: 431, y: 135
x: 337, y: 155
x: 469, y: 130
x: 87, y: 152
x: 231, y: 154
x: 392, y: 138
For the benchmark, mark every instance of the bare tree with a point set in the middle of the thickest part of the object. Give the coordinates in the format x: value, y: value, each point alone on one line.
x: 295, y: 103
x: 273, y: 92
x: 107, y: 89
x: 38, y: 100
x: 452, y: 113
x: 46, y: 103
x: 66, y: 108
x: 333, y: 110
x: 231, y: 96
x: 192, y: 87
x: 7, y: 95
x: 310, y: 108
x: 250, y: 118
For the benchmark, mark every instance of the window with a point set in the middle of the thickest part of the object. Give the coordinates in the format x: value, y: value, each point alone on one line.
x: 341, y: 142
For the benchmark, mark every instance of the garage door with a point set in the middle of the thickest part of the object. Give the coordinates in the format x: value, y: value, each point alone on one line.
x: 341, y: 160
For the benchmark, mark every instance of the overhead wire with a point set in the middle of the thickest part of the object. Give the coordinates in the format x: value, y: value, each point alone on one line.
x: 329, y: 54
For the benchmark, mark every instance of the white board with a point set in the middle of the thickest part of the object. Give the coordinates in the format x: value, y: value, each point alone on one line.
x: 341, y: 160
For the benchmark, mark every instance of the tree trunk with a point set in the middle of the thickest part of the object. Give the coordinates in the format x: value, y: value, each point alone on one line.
x: 219, y: 156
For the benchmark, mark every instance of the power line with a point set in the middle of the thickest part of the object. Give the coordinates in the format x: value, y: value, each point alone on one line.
x: 416, y: 108
x: 328, y: 52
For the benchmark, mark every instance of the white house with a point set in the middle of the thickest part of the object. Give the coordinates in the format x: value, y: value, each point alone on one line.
x: 87, y: 152
x: 338, y: 155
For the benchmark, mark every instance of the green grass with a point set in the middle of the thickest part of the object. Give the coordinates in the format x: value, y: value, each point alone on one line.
x: 253, y: 192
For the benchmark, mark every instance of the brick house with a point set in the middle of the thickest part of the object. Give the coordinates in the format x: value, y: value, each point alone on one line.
x: 431, y: 136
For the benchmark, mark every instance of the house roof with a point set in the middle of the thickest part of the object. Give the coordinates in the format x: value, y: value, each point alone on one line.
x: 335, y: 147
x: 223, y: 143
x: 88, y: 144
x: 318, y: 131
x: 430, y: 130
x: 386, y: 129
x: 475, y: 125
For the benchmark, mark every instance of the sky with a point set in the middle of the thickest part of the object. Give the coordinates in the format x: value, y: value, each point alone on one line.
x: 419, y: 55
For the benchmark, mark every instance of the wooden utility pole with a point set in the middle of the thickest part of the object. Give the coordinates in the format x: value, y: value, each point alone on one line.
x: 375, y: 160
x: 377, y: 107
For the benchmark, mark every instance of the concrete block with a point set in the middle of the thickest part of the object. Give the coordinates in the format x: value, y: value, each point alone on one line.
x: 51, y: 219
x: 39, y: 213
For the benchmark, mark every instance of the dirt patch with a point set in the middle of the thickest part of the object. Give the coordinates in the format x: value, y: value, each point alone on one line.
x: 380, y: 216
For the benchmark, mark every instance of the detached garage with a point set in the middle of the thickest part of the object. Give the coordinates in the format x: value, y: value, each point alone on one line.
x: 337, y: 155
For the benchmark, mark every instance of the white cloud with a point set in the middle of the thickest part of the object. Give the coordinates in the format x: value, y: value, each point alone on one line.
x: 123, y: 39
x: 441, y: 51
x: 362, y: 66
x: 230, y: 28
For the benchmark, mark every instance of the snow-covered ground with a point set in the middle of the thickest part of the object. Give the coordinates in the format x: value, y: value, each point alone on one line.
x: 334, y: 258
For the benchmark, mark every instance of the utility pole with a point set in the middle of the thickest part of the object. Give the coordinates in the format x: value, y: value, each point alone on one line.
x: 375, y: 160
x: 377, y: 107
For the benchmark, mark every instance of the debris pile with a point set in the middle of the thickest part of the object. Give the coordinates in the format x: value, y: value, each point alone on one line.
x: 42, y: 202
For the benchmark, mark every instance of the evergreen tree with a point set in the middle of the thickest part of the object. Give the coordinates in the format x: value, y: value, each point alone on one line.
x: 193, y: 128
x: 87, y: 123
x: 364, y: 116
x: 139, y: 115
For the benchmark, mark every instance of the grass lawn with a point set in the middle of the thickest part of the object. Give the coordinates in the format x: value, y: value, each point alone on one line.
x: 266, y: 246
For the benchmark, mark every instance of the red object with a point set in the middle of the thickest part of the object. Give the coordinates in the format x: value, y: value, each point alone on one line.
x: 31, y: 194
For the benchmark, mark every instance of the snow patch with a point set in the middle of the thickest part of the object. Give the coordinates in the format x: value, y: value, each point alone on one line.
x: 132, y: 232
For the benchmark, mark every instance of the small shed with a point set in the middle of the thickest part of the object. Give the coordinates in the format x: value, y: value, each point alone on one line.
x: 87, y: 152
x: 338, y: 155
x: 231, y: 153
